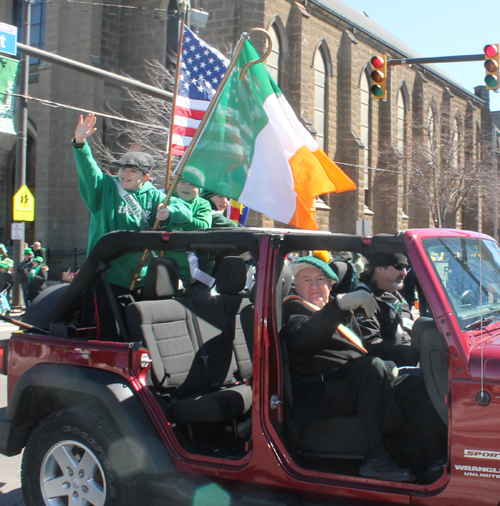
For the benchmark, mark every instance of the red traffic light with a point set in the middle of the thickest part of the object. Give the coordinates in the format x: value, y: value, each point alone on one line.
x: 377, y: 62
x: 491, y: 64
x: 491, y: 50
x: 379, y: 76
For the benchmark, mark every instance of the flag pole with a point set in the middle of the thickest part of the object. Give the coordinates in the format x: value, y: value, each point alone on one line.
x: 182, y: 22
x: 215, y: 100
x: 213, y: 103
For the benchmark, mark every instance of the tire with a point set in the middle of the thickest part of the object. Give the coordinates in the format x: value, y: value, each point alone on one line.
x: 78, y: 457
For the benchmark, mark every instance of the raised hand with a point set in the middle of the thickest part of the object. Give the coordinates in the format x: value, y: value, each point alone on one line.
x: 85, y: 128
x: 359, y: 298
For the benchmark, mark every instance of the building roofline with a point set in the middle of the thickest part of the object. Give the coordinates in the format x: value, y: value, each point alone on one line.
x: 396, y: 45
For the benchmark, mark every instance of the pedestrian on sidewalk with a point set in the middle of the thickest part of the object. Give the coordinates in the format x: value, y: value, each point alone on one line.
x: 37, y: 278
x: 23, y: 269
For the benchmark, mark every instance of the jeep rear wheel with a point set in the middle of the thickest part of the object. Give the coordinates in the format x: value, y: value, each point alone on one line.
x: 77, y: 457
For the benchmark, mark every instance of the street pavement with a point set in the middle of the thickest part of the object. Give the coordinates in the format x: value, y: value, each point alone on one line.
x: 10, y: 467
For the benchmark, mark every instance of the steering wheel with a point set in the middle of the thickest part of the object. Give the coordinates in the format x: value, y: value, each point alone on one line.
x: 467, y: 298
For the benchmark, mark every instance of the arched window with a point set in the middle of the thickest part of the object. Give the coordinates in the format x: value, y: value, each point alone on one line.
x: 431, y: 130
x: 172, y: 36
x: 401, y: 122
x: 455, y: 144
x: 274, y: 59
x: 38, y: 20
x: 478, y: 143
x: 320, y: 102
x: 365, y: 132
x: 402, y: 147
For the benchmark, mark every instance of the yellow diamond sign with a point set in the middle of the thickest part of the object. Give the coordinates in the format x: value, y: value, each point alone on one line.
x: 24, y: 205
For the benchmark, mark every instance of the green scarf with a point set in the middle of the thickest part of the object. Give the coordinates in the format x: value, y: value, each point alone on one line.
x: 32, y: 274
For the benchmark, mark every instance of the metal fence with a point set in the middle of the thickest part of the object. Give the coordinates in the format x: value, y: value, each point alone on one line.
x: 62, y: 260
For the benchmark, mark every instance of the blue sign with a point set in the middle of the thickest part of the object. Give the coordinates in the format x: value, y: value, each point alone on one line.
x: 8, y: 39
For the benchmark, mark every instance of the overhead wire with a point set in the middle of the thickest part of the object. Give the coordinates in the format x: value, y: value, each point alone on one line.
x: 140, y: 11
x: 57, y: 105
x: 53, y: 104
x: 103, y: 4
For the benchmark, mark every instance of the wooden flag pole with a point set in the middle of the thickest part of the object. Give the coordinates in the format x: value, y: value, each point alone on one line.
x: 213, y: 103
x: 182, y: 22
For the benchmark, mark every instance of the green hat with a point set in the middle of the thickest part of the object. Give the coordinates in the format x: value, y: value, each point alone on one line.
x: 219, y: 189
x: 193, y: 175
x: 28, y: 251
x: 38, y: 259
x: 310, y: 261
x: 3, y: 265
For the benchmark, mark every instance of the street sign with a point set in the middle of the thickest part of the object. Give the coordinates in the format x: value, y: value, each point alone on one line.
x: 17, y: 231
x: 8, y: 39
x: 24, y: 205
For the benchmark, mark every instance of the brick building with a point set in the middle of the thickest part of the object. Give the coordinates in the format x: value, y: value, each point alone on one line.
x: 321, y: 61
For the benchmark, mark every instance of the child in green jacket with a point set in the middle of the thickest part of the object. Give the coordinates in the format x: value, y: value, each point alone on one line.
x: 127, y: 201
x: 188, y: 189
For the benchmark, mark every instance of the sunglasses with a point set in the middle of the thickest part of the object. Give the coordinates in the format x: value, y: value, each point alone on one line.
x: 400, y: 267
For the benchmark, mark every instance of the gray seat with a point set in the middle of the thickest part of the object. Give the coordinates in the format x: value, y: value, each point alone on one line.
x: 230, y: 282
x: 433, y: 350
x: 345, y: 273
x: 192, y: 355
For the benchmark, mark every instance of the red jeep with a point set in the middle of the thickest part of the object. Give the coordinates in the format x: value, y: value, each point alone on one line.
x: 194, y: 405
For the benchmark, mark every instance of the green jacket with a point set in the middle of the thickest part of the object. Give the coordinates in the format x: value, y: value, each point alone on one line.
x: 109, y: 212
x: 206, y: 259
x: 202, y: 218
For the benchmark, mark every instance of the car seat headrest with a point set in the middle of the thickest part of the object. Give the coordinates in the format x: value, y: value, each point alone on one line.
x: 232, y: 276
x: 345, y: 273
x: 161, y: 280
x: 286, y: 280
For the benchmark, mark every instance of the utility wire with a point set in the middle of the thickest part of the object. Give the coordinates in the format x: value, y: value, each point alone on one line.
x: 130, y: 7
x: 57, y: 105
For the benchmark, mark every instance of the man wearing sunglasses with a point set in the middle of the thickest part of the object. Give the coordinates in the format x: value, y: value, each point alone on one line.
x: 387, y: 333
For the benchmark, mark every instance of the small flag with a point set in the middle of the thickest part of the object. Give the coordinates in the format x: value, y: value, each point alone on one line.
x: 238, y: 213
x: 255, y: 144
x: 202, y: 68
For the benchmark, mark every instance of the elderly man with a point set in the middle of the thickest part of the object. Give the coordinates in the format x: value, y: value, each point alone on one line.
x: 386, y: 333
x: 331, y: 371
x: 333, y: 374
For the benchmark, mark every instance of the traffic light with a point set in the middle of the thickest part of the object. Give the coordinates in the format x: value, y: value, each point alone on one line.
x: 491, y: 55
x: 379, y: 76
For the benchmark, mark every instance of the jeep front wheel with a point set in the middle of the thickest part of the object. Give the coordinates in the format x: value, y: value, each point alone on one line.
x: 77, y: 457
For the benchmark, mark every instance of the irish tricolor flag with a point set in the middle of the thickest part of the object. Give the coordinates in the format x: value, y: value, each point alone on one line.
x: 255, y: 144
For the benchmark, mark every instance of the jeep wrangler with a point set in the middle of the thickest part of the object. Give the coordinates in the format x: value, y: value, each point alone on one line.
x: 194, y: 406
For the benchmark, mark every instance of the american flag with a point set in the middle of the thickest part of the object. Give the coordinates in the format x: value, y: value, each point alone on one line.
x: 202, y: 68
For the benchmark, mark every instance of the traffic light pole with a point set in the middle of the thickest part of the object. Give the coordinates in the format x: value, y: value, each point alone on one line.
x: 132, y: 84
x: 437, y: 59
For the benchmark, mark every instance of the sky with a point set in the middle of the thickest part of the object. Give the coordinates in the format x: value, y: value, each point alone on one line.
x: 442, y: 28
